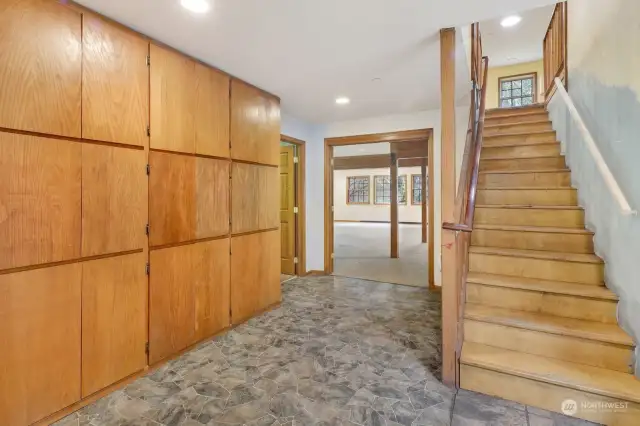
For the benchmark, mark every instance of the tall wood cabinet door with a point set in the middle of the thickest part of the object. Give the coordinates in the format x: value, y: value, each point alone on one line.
x: 212, y: 197
x: 114, y: 199
x: 171, y: 302
x: 211, y: 266
x: 173, y: 101
x: 40, y: 67
x: 114, y: 320
x: 172, y: 187
x: 212, y: 112
x: 270, y: 288
x: 40, y: 200
x: 254, y: 198
x: 255, y: 124
x: 115, y: 83
x: 40, y: 341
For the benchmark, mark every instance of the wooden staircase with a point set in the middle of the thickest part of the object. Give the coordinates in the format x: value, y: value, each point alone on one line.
x: 540, y: 326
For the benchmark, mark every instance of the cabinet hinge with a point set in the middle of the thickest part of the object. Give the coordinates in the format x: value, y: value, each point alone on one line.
x: 295, y: 210
x: 148, y: 169
x: 148, y: 130
x: 295, y: 160
x: 147, y: 229
x: 332, y: 162
x: 148, y: 269
x: 333, y: 255
x: 146, y: 348
x: 148, y: 60
x: 295, y: 260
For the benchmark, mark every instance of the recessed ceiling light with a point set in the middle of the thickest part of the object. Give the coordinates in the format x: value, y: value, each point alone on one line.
x: 197, y: 6
x: 342, y: 100
x: 511, y: 21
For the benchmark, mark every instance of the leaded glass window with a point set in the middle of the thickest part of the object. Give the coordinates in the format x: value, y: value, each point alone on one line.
x: 517, y: 91
x: 416, y: 189
x: 358, y: 190
x: 382, y: 186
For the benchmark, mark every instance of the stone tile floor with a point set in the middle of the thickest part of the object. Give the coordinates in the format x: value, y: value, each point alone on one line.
x: 339, y: 351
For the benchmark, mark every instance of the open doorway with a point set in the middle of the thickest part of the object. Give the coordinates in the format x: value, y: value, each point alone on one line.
x: 292, y: 212
x: 377, y: 213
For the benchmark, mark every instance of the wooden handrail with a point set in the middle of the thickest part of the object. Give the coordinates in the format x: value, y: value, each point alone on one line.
x: 554, y: 47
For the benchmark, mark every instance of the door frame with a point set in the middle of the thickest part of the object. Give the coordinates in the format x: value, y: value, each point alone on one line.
x: 301, y: 220
x: 399, y: 136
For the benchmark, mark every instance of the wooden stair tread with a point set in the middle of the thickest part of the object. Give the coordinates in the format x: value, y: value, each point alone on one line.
x: 535, y: 254
x: 543, y: 286
x: 517, y: 123
x: 525, y: 206
x: 512, y: 172
x: 541, y: 229
x: 600, y: 381
x: 537, y: 107
x: 591, y: 330
x: 520, y: 145
x: 521, y: 188
x: 526, y: 133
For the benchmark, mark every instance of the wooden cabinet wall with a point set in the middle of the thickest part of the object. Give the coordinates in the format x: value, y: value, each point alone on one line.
x: 138, y: 205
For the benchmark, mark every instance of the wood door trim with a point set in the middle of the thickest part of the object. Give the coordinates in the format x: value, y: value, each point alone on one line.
x: 301, y: 217
x: 425, y: 134
x: 72, y: 139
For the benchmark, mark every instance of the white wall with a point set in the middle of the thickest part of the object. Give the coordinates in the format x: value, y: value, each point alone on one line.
x: 604, y: 84
x: 372, y: 212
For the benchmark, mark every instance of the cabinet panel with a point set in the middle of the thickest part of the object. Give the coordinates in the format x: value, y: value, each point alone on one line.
x: 40, y: 341
x: 40, y: 196
x: 212, y: 112
x: 255, y: 124
x: 114, y: 320
x: 173, y: 94
x: 211, y: 267
x: 171, y: 198
x: 40, y: 67
x: 212, y: 197
x: 114, y: 199
x: 171, y: 302
x: 255, y: 273
x: 115, y: 83
x: 255, y: 202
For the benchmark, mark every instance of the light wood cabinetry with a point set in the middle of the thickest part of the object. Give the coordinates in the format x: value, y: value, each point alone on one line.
x: 212, y: 197
x: 40, y: 67
x: 255, y: 201
x: 212, y: 112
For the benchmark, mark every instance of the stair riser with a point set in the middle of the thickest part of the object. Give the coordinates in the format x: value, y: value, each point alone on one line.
x: 504, y: 180
x: 524, y: 151
x: 551, y: 304
x: 517, y: 128
x: 544, y: 241
x: 544, y: 269
x: 501, y: 140
x: 514, y: 112
x: 528, y: 197
x: 551, y: 163
x: 544, y: 395
x: 521, y: 118
x: 530, y: 217
x: 566, y: 348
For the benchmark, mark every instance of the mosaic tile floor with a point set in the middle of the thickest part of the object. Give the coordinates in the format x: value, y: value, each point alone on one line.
x: 339, y: 351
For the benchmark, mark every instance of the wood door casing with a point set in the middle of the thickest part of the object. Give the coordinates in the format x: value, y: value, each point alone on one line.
x: 114, y: 320
x: 254, y: 198
x: 212, y: 197
x: 287, y: 215
x: 114, y: 197
x: 115, y: 83
x: 255, y: 273
x: 40, y: 341
x: 212, y: 112
x: 173, y: 94
x: 40, y: 67
x: 255, y: 124
x: 40, y: 200
x: 171, y: 198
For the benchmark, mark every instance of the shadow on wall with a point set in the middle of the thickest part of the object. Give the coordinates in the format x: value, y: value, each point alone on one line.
x: 612, y: 115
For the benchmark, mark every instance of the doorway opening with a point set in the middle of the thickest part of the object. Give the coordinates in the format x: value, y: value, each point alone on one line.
x: 292, y: 207
x: 378, y: 220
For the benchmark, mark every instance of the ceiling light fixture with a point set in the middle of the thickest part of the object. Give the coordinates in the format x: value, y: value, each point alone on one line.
x: 511, y: 21
x: 342, y: 100
x: 196, y: 6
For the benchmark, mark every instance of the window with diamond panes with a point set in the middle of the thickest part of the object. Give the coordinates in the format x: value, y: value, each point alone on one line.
x: 358, y: 190
x: 382, y: 185
x: 416, y: 189
x: 517, y: 91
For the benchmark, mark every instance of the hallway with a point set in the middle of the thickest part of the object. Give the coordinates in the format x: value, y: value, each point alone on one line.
x: 338, y: 351
x: 362, y: 251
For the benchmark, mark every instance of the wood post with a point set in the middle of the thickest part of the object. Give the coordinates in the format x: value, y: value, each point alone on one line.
x: 423, y: 189
x: 450, y: 297
x: 394, y: 206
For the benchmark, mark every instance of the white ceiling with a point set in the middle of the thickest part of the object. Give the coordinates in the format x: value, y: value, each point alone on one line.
x: 308, y: 52
x: 522, y: 43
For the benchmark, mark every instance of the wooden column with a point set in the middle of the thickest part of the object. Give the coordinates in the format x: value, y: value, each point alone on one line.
x: 448, y: 193
x: 394, y: 206
x: 423, y: 186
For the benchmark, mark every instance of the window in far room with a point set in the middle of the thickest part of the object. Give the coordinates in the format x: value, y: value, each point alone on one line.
x: 517, y: 90
x: 382, y: 188
x: 358, y: 189
x: 416, y: 189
